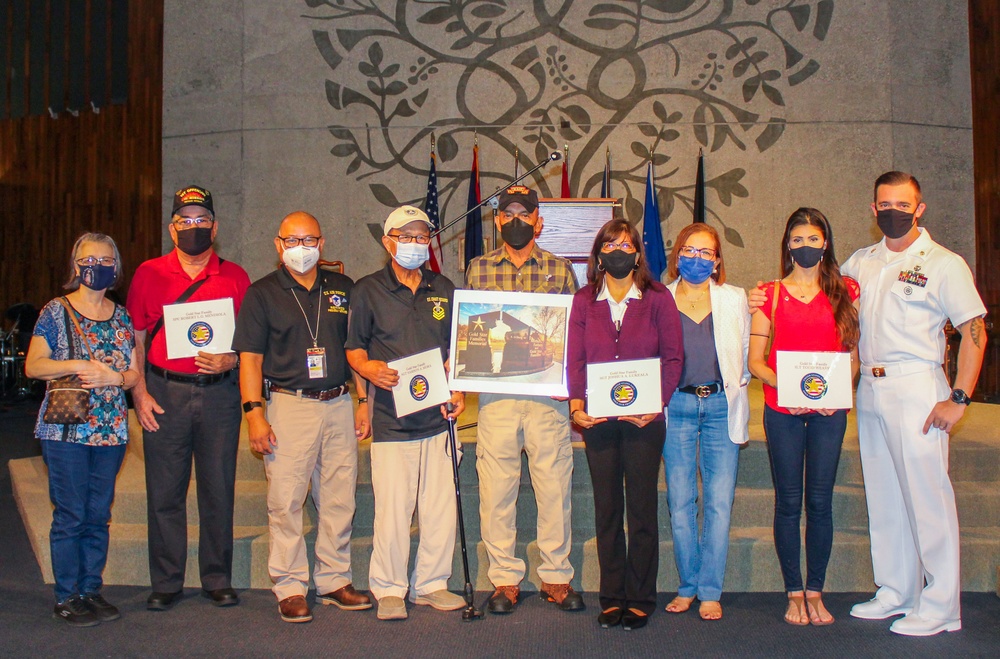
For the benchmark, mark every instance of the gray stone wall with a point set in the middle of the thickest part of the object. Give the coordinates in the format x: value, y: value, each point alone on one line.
x: 329, y: 106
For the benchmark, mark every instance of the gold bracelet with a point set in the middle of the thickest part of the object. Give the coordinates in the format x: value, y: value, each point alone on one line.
x: 123, y: 380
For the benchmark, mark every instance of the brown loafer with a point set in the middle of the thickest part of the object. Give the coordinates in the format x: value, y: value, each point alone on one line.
x: 295, y: 609
x: 346, y: 598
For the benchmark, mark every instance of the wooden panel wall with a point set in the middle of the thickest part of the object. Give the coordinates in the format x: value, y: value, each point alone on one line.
x: 98, y: 171
x: 984, y: 53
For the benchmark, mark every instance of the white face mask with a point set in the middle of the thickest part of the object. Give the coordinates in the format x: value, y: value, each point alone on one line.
x: 411, y: 256
x: 300, y: 259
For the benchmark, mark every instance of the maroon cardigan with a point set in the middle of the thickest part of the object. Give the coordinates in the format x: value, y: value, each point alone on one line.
x: 651, y: 328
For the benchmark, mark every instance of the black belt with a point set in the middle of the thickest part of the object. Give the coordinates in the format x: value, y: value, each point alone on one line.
x: 197, y: 379
x: 315, y: 394
x: 702, y: 390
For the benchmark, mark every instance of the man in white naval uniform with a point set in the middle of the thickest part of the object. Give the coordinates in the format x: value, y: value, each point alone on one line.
x: 910, y: 287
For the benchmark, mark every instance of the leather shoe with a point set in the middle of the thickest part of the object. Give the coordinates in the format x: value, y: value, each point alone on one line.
x: 222, y: 596
x: 563, y: 596
x: 875, y: 609
x: 295, y: 609
x: 346, y: 598
x: 610, y: 618
x: 504, y: 599
x: 163, y: 601
x: 632, y: 620
x: 914, y: 625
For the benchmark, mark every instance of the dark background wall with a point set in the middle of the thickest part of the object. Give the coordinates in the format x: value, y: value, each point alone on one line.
x: 96, y: 164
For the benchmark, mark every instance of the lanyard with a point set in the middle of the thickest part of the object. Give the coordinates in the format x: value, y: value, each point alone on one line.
x: 313, y: 336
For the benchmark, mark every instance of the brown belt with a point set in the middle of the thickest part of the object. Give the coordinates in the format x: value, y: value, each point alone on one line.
x: 314, y: 394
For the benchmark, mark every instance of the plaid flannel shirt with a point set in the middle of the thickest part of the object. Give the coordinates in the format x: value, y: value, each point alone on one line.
x: 543, y: 272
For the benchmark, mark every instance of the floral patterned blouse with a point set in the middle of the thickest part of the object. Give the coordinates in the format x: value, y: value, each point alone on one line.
x: 112, y: 342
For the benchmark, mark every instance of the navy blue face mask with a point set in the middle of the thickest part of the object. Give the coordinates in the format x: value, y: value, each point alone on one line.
x: 694, y: 269
x: 97, y: 277
x: 807, y: 256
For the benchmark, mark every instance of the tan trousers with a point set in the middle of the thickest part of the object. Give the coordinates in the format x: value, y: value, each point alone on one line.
x: 317, y: 446
x: 539, y: 426
x: 405, y: 475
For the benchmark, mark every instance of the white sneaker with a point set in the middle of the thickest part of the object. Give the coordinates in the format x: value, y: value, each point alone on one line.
x: 442, y: 600
x: 875, y: 609
x: 914, y: 625
x: 391, y: 608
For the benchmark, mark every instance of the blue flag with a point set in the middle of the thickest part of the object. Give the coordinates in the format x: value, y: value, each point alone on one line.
x: 431, y: 208
x: 606, y: 178
x: 652, y: 234
x: 474, y: 220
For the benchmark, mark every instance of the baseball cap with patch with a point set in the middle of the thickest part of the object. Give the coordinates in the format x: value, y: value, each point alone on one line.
x: 402, y: 216
x: 520, y: 194
x: 193, y: 195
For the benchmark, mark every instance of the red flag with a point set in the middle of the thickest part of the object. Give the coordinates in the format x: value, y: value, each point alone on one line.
x: 565, y: 176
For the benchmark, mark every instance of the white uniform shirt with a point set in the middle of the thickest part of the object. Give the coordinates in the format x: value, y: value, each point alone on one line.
x: 907, y: 297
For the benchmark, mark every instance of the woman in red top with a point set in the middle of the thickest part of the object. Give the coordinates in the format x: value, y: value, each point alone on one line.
x: 814, y: 313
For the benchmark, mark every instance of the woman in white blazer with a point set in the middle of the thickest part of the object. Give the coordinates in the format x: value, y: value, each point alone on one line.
x: 707, y: 415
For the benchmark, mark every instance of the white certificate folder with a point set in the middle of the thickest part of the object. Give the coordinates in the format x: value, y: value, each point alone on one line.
x: 422, y: 382
x: 194, y: 327
x: 814, y: 380
x: 625, y: 388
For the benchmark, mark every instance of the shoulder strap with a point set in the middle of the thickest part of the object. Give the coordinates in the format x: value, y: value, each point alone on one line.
x: 184, y: 297
x: 774, y: 308
x: 72, y: 316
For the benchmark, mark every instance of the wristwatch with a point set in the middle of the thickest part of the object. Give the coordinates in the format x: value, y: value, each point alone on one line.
x: 960, y: 397
x: 251, y: 404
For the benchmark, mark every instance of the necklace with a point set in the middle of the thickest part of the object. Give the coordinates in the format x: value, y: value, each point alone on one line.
x: 800, y: 292
x: 694, y: 302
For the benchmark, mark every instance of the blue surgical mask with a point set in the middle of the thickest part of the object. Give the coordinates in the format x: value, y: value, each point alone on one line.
x: 411, y: 256
x: 694, y: 269
x: 97, y: 277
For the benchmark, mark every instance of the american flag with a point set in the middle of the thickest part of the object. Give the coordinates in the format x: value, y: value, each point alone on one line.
x: 431, y: 208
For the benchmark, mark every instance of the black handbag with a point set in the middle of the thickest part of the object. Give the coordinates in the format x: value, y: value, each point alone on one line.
x: 67, y: 402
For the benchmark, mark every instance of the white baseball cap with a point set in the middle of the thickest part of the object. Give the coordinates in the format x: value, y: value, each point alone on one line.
x: 402, y: 216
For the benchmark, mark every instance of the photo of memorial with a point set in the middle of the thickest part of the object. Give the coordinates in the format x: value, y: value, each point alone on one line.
x: 510, y: 342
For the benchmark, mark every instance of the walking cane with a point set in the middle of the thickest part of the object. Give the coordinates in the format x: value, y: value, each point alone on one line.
x: 470, y: 612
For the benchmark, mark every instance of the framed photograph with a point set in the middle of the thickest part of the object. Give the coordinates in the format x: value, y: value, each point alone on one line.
x: 509, y: 343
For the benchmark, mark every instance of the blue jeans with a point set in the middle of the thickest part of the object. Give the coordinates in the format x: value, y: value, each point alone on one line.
x: 82, y: 489
x: 811, y: 441
x: 698, y: 441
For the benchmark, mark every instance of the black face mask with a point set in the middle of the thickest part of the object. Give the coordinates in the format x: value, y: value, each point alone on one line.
x: 194, y: 241
x: 517, y: 233
x: 893, y: 222
x: 806, y: 256
x: 617, y: 263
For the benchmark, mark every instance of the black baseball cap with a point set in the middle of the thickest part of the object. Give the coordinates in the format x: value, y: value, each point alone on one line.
x: 193, y: 195
x: 520, y: 194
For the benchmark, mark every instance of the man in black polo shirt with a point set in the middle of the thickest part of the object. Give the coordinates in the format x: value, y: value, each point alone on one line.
x: 290, y: 335
x: 397, y: 312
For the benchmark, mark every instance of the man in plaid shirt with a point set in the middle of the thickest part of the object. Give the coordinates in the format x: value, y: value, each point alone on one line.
x: 509, y: 424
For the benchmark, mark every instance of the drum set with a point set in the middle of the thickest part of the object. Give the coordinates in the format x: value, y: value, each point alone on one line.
x: 14, y: 384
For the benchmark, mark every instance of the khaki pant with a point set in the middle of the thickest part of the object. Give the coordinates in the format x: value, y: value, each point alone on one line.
x: 315, y: 445
x: 416, y: 473
x: 539, y: 426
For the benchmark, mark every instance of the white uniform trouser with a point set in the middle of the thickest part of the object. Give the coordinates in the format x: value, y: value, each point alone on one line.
x: 315, y: 444
x: 911, y: 503
x: 407, y: 474
x: 540, y: 427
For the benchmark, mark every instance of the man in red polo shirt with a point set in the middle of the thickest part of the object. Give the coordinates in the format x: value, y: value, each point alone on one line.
x: 188, y: 407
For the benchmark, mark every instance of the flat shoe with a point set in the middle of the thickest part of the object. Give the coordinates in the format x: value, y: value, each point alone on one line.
x: 163, y: 601
x: 632, y: 620
x: 796, y: 614
x: 222, y: 596
x: 710, y: 611
x: 679, y: 604
x: 812, y: 608
x: 610, y: 618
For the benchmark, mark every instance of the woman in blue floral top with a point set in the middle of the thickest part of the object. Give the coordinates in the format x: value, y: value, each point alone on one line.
x: 84, y: 459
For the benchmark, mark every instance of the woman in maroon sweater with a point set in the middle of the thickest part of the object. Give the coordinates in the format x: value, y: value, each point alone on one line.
x: 628, y: 447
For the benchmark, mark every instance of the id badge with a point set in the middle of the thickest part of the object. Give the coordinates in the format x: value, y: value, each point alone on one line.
x: 316, y: 362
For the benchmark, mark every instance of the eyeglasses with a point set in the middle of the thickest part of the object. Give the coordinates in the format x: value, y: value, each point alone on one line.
x: 295, y: 241
x: 624, y: 246
x: 182, y: 223
x: 93, y: 260
x: 705, y: 253
x: 406, y: 239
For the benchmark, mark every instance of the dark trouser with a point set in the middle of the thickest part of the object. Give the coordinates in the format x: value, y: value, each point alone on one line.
x: 82, y: 489
x: 812, y: 440
x: 618, y: 450
x: 203, y: 422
